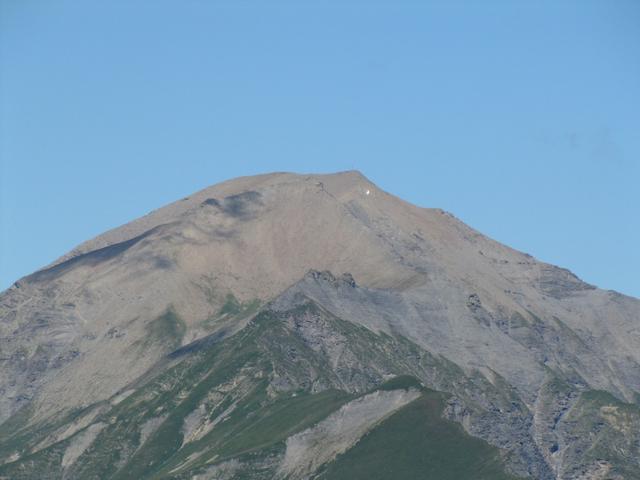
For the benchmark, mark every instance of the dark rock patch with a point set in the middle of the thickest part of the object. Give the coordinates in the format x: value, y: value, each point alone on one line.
x: 90, y: 259
x: 241, y: 206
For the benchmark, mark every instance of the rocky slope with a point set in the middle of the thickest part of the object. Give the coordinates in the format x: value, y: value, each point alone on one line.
x: 209, y: 339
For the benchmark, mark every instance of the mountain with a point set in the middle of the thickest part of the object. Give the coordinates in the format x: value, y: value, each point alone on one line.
x: 313, y: 326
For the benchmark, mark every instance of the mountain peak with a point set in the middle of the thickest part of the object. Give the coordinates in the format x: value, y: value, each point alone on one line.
x: 434, y: 299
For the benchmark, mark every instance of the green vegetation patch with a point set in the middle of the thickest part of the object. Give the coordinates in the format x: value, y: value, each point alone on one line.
x: 168, y: 329
x: 605, y: 429
x: 233, y: 307
x: 401, y: 382
x: 276, y: 422
x: 417, y: 443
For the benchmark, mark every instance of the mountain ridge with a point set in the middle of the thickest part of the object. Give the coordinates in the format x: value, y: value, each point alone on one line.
x: 531, y: 337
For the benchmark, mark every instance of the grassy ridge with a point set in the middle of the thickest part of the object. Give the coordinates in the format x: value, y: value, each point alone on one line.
x: 417, y: 443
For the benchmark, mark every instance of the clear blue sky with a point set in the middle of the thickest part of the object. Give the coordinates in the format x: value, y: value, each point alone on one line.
x: 521, y: 118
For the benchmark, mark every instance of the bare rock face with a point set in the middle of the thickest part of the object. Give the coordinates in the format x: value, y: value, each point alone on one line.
x: 529, y: 342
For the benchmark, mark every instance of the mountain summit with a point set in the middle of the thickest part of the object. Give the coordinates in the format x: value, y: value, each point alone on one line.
x: 313, y: 326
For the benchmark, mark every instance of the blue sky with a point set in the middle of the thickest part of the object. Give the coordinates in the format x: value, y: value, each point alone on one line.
x: 521, y: 118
